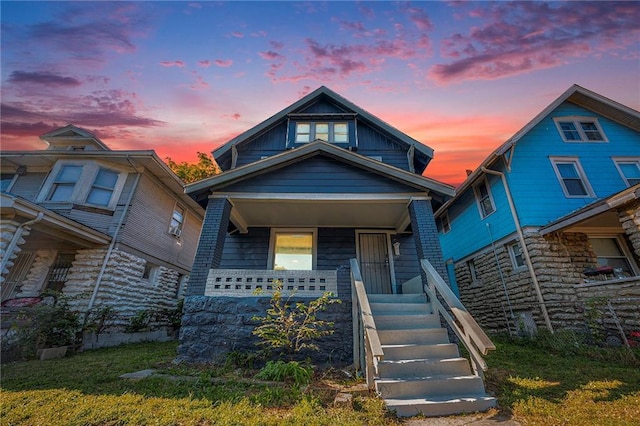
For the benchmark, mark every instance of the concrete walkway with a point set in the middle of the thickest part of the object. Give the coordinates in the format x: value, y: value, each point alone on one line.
x: 490, y: 418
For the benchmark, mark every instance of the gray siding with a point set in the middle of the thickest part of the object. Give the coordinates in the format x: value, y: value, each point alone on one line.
x: 28, y: 185
x: 246, y: 251
x: 320, y: 174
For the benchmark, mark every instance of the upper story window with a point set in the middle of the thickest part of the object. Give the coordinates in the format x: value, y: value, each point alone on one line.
x: 484, y: 198
x: 443, y: 223
x: 333, y: 132
x: 572, y: 178
x: 580, y: 129
x: 6, y: 181
x: 83, y: 183
x: 177, y: 220
x: 629, y: 170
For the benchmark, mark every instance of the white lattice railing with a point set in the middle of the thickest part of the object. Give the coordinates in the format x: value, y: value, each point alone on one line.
x: 247, y: 282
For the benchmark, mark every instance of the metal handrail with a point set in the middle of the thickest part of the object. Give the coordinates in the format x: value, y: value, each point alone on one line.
x: 369, y: 331
x: 466, y: 328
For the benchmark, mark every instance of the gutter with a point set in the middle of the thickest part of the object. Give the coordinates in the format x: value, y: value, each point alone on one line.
x: 525, y: 250
x: 16, y: 238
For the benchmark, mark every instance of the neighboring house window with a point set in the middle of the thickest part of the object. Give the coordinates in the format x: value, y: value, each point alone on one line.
x: 83, y: 183
x: 65, y: 182
x: 57, y: 276
x: 517, y: 258
x: 580, y: 129
x: 444, y: 225
x: 333, y: 132
x: 611, y: 251
x: 472, y: 270
x: 6, y: 181
x: 293, y: 249
x: 484, y: 198
x: 103, y: 187
x: 629, y: 170
x: 572, y: 178
x: 150, y: 272
x: 177, y: 220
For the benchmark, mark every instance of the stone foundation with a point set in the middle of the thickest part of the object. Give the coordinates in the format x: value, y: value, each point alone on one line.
x: 214, y: 326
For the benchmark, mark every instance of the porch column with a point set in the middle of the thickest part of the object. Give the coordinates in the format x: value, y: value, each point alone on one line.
x: 209, y: 253
x: 425, y: 233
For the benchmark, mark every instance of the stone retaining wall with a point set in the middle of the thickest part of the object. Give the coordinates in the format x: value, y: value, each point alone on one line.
x: 215, y: 326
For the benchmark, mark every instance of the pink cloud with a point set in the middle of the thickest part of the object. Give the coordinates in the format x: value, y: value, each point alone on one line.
x: 44, y: 78
x: 167, y: 64
x: 204, y: 63
x: 224, y: 63
x: 270, y: 55
x: 520, y: 37
x: 237, y: 34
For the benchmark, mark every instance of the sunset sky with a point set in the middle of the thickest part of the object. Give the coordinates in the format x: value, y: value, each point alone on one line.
x: 183, y: 77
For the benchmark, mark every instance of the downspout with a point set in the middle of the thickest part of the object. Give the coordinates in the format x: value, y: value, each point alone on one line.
x: 525, y: 250
x: 16, y: 238
x: 92, y: 301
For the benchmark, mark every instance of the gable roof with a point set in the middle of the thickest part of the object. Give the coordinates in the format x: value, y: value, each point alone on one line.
x: 575, y: 94
x: 311, y: 98
x: 202, y: 187
x: 71, y: 134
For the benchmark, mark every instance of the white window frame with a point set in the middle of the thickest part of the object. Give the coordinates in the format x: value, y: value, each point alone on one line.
x: 577, y: 123
x: 177, y: 232
x: 445, y: 223
x: 13, y: 181
x: 272, y: 244
x: 312, y: 131
x: 622, y: 245
x: 84, y: 185
x: 153, y: 269
x: 476, y: 192
x: 512, y: 255
x: 581, y: 174
x: 626, y: 160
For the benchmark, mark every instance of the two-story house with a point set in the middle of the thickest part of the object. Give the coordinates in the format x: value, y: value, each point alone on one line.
x: 550, y: 220
x: 106, y: 228
x: 307, y: 197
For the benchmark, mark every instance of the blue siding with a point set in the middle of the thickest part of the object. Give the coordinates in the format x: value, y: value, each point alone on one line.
x: 320, y: 174
x: 322, y: 107
x: 246, y: 251
x: 406, y: 265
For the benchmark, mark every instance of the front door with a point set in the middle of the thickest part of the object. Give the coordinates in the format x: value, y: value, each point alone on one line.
x: 374, y: 263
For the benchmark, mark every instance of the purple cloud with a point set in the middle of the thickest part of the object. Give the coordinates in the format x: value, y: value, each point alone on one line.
x: 204, y: 63
x: 224, y: 63
x: 167, y: 64
x: 46, y: 78
x: 522, y: 36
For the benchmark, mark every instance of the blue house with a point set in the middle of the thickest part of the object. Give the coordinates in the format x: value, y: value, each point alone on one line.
x: 323, y: 196
x: 550, y: 220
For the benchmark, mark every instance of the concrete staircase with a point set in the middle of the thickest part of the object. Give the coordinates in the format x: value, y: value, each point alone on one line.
x: 422, y: 372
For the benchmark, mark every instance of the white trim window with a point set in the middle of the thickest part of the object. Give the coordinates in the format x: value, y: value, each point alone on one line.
x: 293, y: 249
x: 572, y: 177
x: 88, y: 183
x: 484, y: 199
x: 177, y: 220
x: 612, y: 251
x: 332, y: 132
x: 580, y: 129
x: 516, y: 255
x: 6, y: 181
x: 444, y: 225
x: 629, y: 169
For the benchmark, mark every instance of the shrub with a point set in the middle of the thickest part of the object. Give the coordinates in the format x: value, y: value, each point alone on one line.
x: 138, y: 322
x: 281, y: 371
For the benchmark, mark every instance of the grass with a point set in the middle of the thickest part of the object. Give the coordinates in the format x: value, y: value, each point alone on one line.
x: 535, y: 385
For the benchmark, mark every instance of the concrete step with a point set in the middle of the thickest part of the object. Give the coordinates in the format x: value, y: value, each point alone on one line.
x: 397, y: 298
x: 416, y: 351
x: 384, y: 308
x: 410, y: 368
x: 424, y: 336
x: 403, y: 322
x: 441, y: 406
x: 429, y: 387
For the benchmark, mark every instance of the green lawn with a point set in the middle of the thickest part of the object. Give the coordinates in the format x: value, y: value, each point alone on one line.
x: 533, y: 385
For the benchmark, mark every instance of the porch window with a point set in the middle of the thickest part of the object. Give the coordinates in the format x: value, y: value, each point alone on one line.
x: 612, y: 252
x: 580, y: 129
x: 293, y: 249
x: 484, y: 198
x: 629, y: 170
x: 572, y: 178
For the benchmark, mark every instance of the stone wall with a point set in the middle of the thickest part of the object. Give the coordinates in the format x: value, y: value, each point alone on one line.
x: 8, y: 229
x: 215, y: 326
x: 629, y: 217
x: 32, y: 284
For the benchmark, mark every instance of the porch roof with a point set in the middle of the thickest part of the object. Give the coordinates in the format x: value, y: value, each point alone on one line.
x: 600, y: 214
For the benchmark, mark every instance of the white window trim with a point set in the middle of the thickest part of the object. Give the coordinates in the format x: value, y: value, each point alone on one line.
x: 618, y: 160
x: 83, y: 186
x: 177, y: 233
x: 581, y: 173
x: 576, y: 122
x: 512, y: 256
x: 622, y: 244
x: 272, y: 244
x: 312, y: 131
x: 478, y: 200
x: 13, y: 181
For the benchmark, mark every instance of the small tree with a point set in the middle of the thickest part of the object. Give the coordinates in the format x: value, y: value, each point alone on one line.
x: 291, y: 328
x: 191, y: 172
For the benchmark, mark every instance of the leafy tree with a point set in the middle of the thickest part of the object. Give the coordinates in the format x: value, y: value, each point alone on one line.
x: 191, y: 172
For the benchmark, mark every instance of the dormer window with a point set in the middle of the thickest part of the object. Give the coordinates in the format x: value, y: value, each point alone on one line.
x: 332, y: 132
x: 580, y: 129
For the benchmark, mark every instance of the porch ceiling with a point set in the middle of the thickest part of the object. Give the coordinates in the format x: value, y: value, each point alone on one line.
x: 361, y: 212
